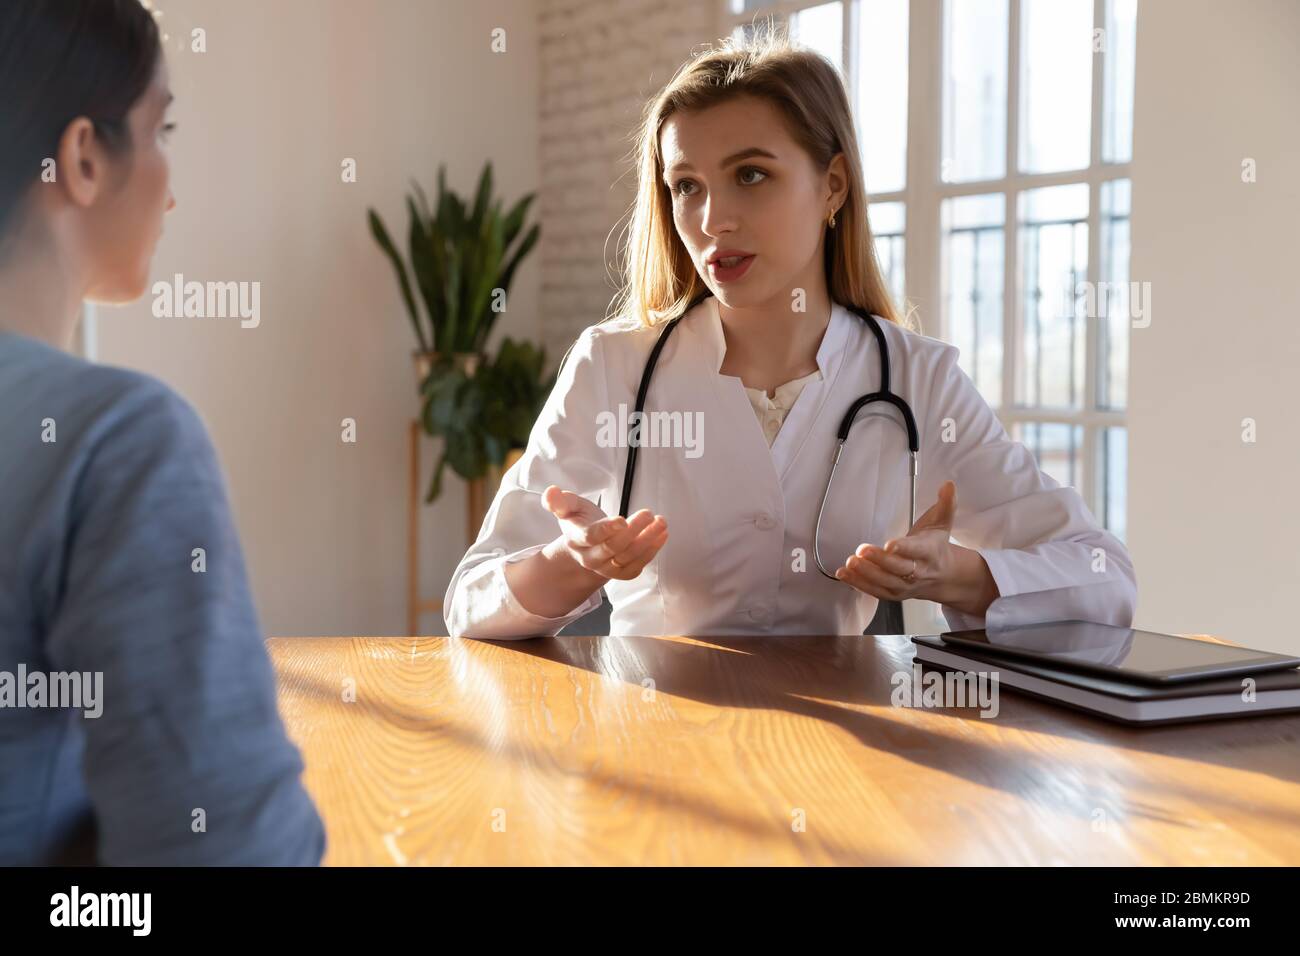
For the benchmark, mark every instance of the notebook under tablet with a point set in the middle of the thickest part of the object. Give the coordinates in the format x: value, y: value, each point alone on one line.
x: 1120, y: 652
x: 1270, y: 693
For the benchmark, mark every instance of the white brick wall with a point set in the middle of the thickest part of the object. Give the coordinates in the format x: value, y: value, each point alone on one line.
x: 601, y: 60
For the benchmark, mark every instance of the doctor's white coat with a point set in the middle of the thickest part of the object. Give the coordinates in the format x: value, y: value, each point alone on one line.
x: 739, y: 555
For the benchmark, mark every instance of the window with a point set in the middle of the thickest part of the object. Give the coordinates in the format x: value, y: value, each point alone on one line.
x: 996, y: 137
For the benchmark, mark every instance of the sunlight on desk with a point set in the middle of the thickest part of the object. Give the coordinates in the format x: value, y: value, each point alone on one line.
x: 600, y: 750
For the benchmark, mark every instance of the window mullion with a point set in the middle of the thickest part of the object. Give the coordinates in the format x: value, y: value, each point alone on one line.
x: 1011, y: 218
x: 848, y: 53
x: 924, y: 144
x: 1092, y: 477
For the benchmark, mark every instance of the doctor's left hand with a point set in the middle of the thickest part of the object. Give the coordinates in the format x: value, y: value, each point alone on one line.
x: 925, y: 564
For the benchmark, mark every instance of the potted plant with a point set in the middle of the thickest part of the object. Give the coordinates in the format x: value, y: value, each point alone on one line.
x: 485, y: 416
x: 462, y: 261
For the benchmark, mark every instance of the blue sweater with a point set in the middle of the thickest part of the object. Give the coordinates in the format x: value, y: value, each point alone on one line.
x: 108, y: 485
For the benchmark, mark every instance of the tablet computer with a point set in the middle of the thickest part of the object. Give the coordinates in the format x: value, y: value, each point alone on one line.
x: 1121, y: 652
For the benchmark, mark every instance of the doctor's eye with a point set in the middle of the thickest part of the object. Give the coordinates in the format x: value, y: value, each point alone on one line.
x: 164, y: 133
x: 677, y: 187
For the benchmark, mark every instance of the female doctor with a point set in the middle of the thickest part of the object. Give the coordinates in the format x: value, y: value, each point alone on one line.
x: 751, y: 207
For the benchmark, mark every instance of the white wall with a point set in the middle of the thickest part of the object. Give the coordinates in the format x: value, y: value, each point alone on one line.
x: 287, y: 90
x: 1213, y: 527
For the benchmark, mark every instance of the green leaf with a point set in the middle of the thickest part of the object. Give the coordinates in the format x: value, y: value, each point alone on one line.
x: 525, y: 247
x: 421, y: 261
x: 424, y: 201
x: 489, y: 268
x: 380, y: 232
x: 455, y: 225
x: 438, y: 270
x: 514, y: 220
x: 508, y: 275
x: 522, y: 420
x: 495, y: 448
x: 442, y: 396
x: 451, y: 292
x: 481, y: 200
x: 465, y: 455
x: 435, y: 483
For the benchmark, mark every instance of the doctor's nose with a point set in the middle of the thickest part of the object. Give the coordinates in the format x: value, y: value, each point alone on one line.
x: 718, y: 220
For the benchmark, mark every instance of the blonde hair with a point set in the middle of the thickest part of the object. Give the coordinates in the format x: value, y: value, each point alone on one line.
x: 659, y: 278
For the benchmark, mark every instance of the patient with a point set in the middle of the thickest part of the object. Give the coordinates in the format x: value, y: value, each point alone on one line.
x: 138, y: 720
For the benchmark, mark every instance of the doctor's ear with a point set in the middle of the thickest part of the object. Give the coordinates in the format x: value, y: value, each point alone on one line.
x: 837, y: 183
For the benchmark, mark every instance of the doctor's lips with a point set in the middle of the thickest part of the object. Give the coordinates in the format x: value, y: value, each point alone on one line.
x: 728, y: 265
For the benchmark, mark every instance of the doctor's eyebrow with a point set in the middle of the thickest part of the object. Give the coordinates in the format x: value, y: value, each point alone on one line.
x: 733, y: 158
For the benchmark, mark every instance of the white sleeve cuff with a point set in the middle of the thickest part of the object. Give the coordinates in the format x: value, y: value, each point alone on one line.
x: 487, y: 590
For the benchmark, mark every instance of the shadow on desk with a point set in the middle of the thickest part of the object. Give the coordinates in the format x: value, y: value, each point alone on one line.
x: 833, y: 678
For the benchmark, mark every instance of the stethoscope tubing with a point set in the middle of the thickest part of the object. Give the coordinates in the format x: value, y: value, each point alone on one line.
x: 883, y: 395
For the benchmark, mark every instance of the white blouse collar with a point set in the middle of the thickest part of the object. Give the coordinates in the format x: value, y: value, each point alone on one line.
x: 707, y: 327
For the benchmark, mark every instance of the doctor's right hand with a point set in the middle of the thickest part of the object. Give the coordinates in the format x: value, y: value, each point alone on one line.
x: 614, y: 547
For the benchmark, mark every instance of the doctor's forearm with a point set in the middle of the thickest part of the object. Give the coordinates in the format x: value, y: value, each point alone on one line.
x: 972, y: 589
x: 551, y: 583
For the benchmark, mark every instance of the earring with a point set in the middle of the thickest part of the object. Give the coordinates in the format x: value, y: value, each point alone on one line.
x: 831, y: 221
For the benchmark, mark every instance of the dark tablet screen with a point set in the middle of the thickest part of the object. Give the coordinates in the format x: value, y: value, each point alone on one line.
x: 1139, y: 654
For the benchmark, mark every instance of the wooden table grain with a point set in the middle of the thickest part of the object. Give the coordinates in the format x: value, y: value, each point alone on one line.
x: 732, y: 751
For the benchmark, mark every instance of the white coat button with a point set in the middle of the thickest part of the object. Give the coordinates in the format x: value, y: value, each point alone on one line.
x: 765, y: 522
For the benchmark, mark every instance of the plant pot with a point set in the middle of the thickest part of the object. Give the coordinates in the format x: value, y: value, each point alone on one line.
x: 467, y: 362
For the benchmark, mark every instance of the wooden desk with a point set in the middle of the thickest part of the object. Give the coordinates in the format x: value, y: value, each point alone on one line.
x: 551, y: 751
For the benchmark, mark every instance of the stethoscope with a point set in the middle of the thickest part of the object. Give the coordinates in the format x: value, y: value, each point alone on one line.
x: 884, y: 395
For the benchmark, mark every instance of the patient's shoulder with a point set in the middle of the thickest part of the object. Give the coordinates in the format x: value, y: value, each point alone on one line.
x: 93, y: 418
x: 87, y: 397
